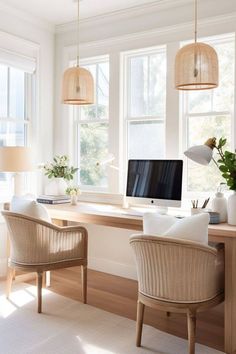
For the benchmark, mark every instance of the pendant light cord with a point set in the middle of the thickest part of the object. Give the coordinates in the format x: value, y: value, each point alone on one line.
x: 77, y: 56
x: 195, y: 21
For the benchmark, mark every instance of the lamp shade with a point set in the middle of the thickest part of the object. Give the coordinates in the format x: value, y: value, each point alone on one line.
x: 201, y: 154
x: 77, y: 87
x: 196, y: 67
x: 15, y: 159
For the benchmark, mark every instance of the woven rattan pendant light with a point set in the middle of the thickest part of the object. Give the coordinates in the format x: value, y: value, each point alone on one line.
x: 77, y: 86
x: 196, y: 65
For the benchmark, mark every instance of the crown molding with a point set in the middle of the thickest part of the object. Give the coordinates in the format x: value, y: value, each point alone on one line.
x: 134, y: 11
x: 187, y: 26
x: 27, y: 17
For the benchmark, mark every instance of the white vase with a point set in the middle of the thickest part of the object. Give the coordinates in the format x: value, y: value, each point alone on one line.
x: 73, y: 199
x: 57, y: 186
x: 232, y: 209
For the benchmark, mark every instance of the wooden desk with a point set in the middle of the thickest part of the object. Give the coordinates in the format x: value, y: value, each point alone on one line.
x: 109, y: 215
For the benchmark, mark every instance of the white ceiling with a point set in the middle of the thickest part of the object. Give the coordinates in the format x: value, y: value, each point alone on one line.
x: 62, y: 11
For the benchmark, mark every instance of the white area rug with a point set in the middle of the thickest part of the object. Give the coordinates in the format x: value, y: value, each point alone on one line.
x: 69, y: 327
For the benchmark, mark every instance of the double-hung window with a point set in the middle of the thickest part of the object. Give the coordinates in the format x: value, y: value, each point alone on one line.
x: 92, y: 124
x: 16, y: 109
x: 145, y: 103
x: 210, y: 113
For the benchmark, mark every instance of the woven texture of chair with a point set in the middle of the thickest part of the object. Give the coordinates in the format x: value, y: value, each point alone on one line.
x: 39, y: 246
x: 177, y: 276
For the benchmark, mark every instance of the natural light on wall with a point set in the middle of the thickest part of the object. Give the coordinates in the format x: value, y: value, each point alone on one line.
x: 209, y: 113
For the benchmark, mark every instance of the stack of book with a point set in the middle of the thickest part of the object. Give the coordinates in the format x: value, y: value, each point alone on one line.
x: 53, y: 199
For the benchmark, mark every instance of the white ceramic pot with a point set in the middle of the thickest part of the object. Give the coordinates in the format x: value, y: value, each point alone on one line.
x: 232, y: 209
x: 57, y: 186
x: 73, y: 199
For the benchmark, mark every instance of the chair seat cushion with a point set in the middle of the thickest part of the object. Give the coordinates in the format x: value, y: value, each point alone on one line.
x: 30, y: 208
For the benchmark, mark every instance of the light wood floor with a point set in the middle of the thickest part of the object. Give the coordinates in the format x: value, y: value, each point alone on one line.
x: 119, y: 295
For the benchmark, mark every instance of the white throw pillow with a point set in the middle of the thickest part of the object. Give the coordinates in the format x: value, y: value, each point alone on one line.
x: 192, y: 228
x: 157, y: 224
x: 30, y: 208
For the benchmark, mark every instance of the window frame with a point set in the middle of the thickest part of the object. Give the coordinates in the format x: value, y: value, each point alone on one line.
x: 27, y: 119
x: 126, y: 83
x: 78, y: 121
x: 185, y: 115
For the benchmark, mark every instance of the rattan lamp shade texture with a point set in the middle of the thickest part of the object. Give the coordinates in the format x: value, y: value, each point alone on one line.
x: 196, y: 67
x: 78, y: 88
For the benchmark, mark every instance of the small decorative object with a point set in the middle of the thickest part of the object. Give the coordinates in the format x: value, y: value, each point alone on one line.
x: 60, y: 172
x: 219, y: 204
x: 214, y: 217
x: 196, y: 65
x: 73, y: 192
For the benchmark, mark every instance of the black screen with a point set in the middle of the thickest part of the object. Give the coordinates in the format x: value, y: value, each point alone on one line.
x: 155, y: 179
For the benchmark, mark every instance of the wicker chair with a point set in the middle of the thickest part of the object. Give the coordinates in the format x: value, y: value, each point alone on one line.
x: 39, y: 246
x: 177, y: 276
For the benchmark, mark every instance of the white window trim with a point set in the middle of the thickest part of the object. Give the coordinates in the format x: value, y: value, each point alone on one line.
x: 126, y: 118
x: 171, y: 37
x: 77, y: 121
x: 215, y: 39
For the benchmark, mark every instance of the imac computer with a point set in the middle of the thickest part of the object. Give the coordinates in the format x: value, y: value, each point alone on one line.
x: 155, y: 182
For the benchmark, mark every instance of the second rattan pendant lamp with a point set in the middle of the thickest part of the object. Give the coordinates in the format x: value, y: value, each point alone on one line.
x: 196, y: 65
x: 78, y: 85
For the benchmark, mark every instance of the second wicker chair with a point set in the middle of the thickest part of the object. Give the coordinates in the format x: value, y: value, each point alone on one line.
x: 177, y: 276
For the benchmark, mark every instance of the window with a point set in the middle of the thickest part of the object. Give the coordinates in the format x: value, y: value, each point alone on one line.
x: 15, y: 115
x: 145, y: 104
x: 210, y: 113
x: 92, y: 129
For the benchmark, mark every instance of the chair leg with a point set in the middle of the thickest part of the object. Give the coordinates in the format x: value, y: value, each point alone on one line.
x: 84, y: 283
x: 139, y: 323
x: 10, y: 276
x: 191, y: 331
x: 39, y: 290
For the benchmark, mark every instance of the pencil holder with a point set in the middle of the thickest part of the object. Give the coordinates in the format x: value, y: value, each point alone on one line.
x: 195, y: 211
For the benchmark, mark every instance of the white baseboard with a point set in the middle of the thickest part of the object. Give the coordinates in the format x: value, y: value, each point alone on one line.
x: 108, y: 266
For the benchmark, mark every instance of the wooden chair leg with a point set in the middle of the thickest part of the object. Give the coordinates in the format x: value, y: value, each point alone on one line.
x: 84, y: 283
x: 191, y: 331
x: 139, y: 323
x: 39, y: 290
x: 10, y: 276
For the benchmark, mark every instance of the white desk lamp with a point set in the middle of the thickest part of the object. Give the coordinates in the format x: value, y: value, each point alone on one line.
x: 202, y: 154
x: 16, y: 159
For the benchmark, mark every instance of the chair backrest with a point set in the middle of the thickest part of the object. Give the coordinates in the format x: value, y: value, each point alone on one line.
x: 176, y: 270
x: 35, y: 241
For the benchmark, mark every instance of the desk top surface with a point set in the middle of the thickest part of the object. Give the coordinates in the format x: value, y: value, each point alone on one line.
x: 116, y: 216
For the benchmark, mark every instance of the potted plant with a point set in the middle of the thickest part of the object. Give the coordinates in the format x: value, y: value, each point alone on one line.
x: 227, y: 165
x: 60, y: 172
x: 73, y: 192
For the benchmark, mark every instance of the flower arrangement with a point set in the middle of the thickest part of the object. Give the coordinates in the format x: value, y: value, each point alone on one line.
x: 60, y: 168
x: 73, y: 191
x: 226, y: 164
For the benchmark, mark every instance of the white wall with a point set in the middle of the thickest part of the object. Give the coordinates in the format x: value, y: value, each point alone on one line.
x: 37, y: 40
x: 109, y: 250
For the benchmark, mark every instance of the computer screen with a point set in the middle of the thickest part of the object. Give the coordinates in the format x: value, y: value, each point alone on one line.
x: 155, y: 181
